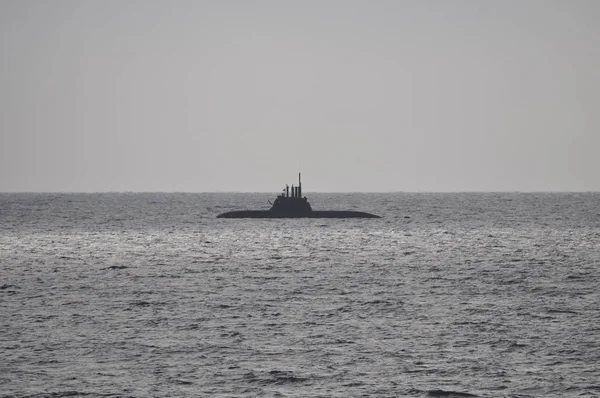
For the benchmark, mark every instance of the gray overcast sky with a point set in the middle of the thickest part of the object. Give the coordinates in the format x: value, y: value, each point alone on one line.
x: 190, y: 95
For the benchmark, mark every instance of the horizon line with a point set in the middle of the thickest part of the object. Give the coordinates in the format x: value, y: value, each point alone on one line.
x: 271, y: 192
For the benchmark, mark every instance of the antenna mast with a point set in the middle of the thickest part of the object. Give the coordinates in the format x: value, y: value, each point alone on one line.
x: 299, y: 181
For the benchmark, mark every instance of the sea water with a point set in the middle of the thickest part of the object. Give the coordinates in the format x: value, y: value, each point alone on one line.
x: 150, y: 295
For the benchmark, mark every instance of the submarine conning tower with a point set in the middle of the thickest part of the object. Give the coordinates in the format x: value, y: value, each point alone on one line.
x: 292, y: 203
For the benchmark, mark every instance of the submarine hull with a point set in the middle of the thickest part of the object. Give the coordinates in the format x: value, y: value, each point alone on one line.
x: 311, y: 214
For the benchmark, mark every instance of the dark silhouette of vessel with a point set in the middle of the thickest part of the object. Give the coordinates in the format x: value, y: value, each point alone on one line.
x: 293, y: 205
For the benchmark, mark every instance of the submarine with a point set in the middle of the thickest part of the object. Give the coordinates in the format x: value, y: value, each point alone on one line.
x: 291, y: 204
